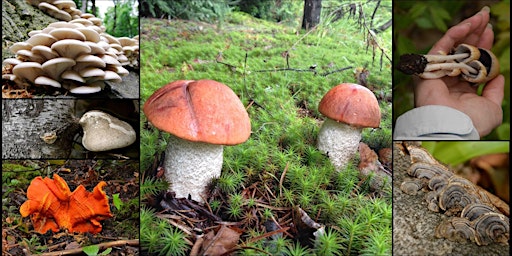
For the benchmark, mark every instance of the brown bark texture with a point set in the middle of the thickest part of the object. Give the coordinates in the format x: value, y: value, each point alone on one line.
x: 312, y: 10
x: 37, y: 128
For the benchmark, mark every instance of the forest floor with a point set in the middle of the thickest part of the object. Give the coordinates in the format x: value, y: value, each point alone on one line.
x: 277, y: 191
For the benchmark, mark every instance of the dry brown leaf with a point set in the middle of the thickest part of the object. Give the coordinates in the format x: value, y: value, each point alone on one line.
x: 225, y: 240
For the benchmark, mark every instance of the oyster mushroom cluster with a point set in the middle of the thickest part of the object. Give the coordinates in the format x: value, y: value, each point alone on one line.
x: 472, y: 64
x: 475, y: 214
x: 65, y: 10
x: 75, y: 54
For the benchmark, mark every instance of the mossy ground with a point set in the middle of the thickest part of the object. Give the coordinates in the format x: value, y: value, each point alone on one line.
x: 279, y: 168
x: 122, y: 178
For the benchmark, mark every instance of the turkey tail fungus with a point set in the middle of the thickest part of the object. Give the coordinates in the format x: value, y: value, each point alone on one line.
x: 53, y: 206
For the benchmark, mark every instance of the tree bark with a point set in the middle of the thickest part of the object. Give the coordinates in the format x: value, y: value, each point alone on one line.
x: 28, y: 127
x: 414, y: 225
x: 312, y: 10
x: 84, y: 6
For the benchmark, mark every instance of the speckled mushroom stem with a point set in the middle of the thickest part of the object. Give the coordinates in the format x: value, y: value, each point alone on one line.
x: 190, y: 166
x: 339, y: 141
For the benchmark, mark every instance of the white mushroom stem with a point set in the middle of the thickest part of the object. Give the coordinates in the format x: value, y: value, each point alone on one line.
x: 446, y: 58
x: 190, y: 166
x: 450, y: 67
x: 339, y: 141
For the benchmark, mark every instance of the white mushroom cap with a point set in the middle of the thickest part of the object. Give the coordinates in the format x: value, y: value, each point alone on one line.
x: 72, y: 75
x: 96, y: 21
x: 43, y: 80
x: 54, y: 11
x: 12, y: 61
x: 90, y: 34
x: 112, y: 76
x: 96, y: 49
x: 28, y: 70
x: 85, y: 89
x: 91, y: 71
x: 20, y: 46
x: 63, y: 4
x: 104, y: 132
x: 67, y: 33
x: 87, y: 15
x: 44, y: 51
x: 63, y: 24
x: 87, y: 60
x: 42, y: 39
x: 55, y: 67
x: 71, y: 48
x: 27, y: 55
x: 84, y: 22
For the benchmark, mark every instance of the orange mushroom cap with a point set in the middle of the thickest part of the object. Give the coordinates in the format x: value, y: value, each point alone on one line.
x: 352, y: 104
x: 200, y: 111
x: 52, y: 206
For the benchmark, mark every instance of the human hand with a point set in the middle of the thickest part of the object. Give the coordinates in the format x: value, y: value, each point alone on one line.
x: 485, y: 110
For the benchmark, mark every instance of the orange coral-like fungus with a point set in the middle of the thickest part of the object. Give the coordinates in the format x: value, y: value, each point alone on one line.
x: 53, y: 206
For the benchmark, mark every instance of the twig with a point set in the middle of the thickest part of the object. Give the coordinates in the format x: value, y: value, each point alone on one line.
x: 335, y: 71
x: 286, y: 69
x: 282, y: 180
x: 102, y: 246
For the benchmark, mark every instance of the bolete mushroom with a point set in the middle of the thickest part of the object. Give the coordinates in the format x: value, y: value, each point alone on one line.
x: 201, y: 116
x: 349, y: 108
x: 475, y: 65
x: 104, y: 132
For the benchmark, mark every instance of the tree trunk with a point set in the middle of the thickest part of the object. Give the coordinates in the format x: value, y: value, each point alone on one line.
x: 84, y: 6
x: 93, y: 7
x: 312, y: 10
x: 37, y: 128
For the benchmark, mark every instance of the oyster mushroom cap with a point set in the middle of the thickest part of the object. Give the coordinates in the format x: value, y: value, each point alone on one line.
x: 72, y: 75
x: 54, y: 11
x: 28, y: 70
x: 56, y: 66
x: 20, y: 46
x: 43, y: 80
x: 42, y: 39
x: 45, y: 51
x: 349, y: 108
x: 70, y: 48
x: 98, y: 126
x: 85, y: 89
x: 67, y: 33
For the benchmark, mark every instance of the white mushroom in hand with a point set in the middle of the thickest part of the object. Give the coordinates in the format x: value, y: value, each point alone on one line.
x: 103, y: 132
x: 475, y: 65
x: 201, y: 116
x: 349, y: 108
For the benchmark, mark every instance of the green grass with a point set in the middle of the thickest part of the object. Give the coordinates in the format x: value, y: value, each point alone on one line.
x: 283, y: 107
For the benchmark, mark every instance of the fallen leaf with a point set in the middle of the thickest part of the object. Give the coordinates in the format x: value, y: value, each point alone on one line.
x: 225, y: 240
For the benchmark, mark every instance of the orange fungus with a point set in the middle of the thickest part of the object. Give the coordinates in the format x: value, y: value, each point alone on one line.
x: 52, y: 206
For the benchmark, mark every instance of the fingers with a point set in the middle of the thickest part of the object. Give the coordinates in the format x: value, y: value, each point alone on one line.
x: 451, y: 37
x: 487, y: 38
x: 494, y: 90
x: 471, y: 30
